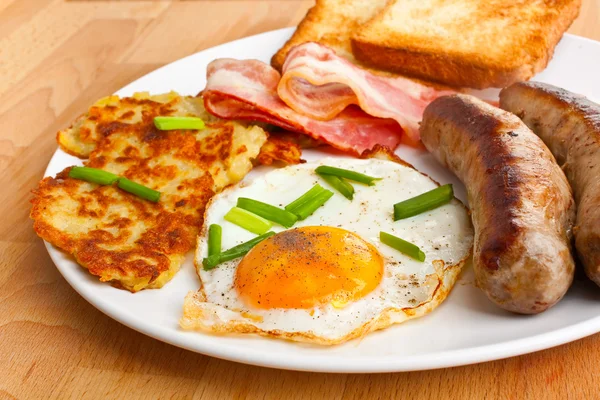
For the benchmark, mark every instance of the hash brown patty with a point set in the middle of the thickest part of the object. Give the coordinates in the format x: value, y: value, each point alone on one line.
x: 123, y: 239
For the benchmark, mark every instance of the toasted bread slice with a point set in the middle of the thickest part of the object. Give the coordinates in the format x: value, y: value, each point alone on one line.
x: 331, y: 22
x: 467, y: 43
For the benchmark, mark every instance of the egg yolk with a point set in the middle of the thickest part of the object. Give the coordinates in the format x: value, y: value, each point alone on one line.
x: 307, y: 267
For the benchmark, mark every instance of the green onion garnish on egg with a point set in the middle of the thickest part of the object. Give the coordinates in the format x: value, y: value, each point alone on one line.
x: 214, y: 239
x: 93, y: 175
x: 339, y: 184
x: 211, y: 261
x: 423, y: 202
x: 171, y: 123
x: 402, y: 246
x: 237, y: 251
x: 305, y: 198
x: 247, y: 220
x: 307, y: 209
x: 138, y: 190
x: 344, y: 173
x: 267, y: 211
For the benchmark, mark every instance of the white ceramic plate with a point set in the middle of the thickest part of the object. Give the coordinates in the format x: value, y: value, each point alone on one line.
x: 465, y: 329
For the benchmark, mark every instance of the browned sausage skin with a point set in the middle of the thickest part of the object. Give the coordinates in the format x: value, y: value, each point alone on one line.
x: 569, y: 124
x: 521, y: 203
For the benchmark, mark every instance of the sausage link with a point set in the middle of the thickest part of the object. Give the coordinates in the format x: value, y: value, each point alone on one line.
x: 569, y: 124
x: 521, y: 204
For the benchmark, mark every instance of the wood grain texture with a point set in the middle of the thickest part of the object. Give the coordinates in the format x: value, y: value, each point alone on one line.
x: 56, y: 58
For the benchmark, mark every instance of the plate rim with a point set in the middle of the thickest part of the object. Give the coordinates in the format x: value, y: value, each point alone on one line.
x: 329, y: 363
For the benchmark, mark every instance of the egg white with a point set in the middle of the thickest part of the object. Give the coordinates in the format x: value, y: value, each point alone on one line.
x: 409, y: 288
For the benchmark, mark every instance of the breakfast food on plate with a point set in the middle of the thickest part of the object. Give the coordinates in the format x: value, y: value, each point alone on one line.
x: 569, y: 124
x: 332, y: 250
x: 337, y: 273
x: 318, y: 94
x: 470, y: 43
x: 135, y: 242
x: 520, y: 200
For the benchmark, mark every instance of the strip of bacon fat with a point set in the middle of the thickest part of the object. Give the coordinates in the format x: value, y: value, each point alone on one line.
x: 247, y: 90
x: 320, y: 84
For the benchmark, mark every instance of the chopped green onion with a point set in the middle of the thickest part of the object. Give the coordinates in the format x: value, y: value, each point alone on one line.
x: 344, y: 173
x: 423, y: 202
x: 212, y: 261
x: 247, y: 220
x: 339, y: 184
x: 171, y: 123
x: 139, y: 190
x: 237, y: 251
x: 307, y: 209
x: 93, y: 175
x: 214, y: 239
x: 306, y: 197
x: 402, y: 246
x: 267, y: 211
x: 106, y: 178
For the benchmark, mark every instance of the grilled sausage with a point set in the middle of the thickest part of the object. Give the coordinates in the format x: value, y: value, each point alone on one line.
x: 569, y: 124
x: 521, y: 204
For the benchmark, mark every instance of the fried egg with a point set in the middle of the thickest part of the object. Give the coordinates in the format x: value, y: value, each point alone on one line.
x: 329, y: 278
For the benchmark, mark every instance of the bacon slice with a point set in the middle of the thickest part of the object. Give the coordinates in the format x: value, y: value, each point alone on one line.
x: 318, y: 83
x: 321, y: 95
x: 248, y: 90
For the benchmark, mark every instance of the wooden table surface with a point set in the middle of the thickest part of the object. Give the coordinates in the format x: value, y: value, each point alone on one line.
x: 56, y: 58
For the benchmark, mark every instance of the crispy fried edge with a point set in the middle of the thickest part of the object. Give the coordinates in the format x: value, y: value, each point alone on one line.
x: 276, y: 149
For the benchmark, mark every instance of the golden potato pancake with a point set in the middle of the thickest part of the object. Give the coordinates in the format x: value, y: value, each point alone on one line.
x: 114, y: 114
x: 277, y: 149
x: 131, y: 242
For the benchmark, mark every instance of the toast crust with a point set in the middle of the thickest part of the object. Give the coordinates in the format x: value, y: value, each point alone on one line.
x: 444, y: 68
